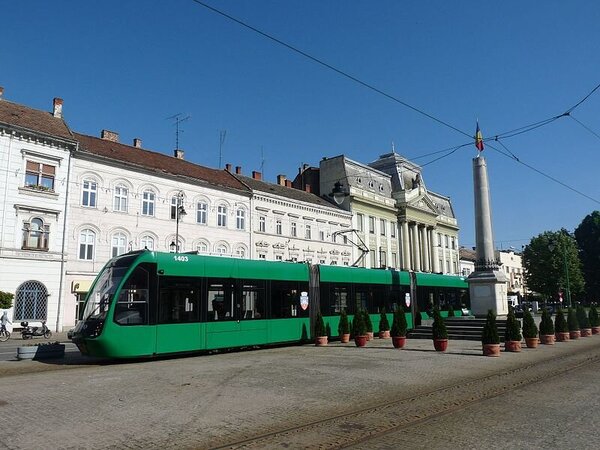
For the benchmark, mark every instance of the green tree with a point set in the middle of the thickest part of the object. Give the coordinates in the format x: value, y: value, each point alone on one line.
x: 6, y: 299
x: 399, y: 324
x: 384, y: 324
x: 588, y: 240
x: 344, y: 326
x: 513, y: 327
x: 489, y: 334
x: 546, y: 325
x: 529, y: 328
x: 439, y: 327
x: 319, y: 330
x: 544, y: 262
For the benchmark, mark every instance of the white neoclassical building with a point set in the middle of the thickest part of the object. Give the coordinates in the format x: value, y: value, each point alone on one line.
x: 35, y: 155
x: 296, y: 225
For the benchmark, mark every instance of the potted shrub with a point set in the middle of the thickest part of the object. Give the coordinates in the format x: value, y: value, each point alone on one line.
x: 440, y: 334
x: 384, y: 326
x: 489, y: 336
x: 512, y: 337
x: 583, y: 321
x: 530, y: 331
x: 561, y: 327
x: 594, y: 320
x: 399, y: 327
x: 344, y: 328
x: 320, y: 333
x: 368, y: 324
x: 573, y: 324
x: 546, y: 328
x: 359, y: 328
x: 450, y: 311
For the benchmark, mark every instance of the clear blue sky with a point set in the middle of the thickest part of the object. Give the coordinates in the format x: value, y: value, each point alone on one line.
x: 128, y: 65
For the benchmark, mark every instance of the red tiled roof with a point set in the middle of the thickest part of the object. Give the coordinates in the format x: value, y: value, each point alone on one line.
x: 157, y: 162
x: 33, y: 120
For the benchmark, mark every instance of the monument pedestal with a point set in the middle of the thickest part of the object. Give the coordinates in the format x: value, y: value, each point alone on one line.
x: 487, y: 290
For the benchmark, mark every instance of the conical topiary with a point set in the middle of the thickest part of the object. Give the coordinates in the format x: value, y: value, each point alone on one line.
x: 529, y: 328
x: 367, y: 319
x: 344, y: 325
x: 560, y: 323
x: 384, y: 325
x: 450, y: 311
x: 582, y: 318
x: 489, y: 335
x: 439, y: 327
x: 319, y: 330
x: 358, y: 324
x: 513, y: 327
x: 572, y: 322
x: 399, y: 325
x: 546, y: 325
x: 593, y: 316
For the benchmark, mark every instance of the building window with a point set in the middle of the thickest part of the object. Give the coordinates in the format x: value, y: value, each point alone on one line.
x: 262, y: 224
x: 88, y: 193
x: 119, y: 244
x: 371, y: 224
x: 453, y: 244
x: 394, y: 260
x: 202, y: 247
x: 278, y: 227
x: 278, y: 257
x: 307, y: 232
x: 294, y: 229
x: 174, y: 205
x: 333, y: 262
x: 35, y: 235
x: 39, y: 176
x: 447, y: 266
x: 382, y: 258
x: 222, y: 216
x: 382, y: 225
x: 241, y: 219
x: 322, y: 235
x: 201, y: 213
x: 147, y: 242
x: 148, y: 200
x: 373, y: 260
x: 221, y: 249
x: 240, y: 252
x: 447, y: 241
x: 262, y: 256
x: 120, y: 198
x: 393, y: 229
x: 31, y: 301
x: 360, y: 222
x: 87, y: 240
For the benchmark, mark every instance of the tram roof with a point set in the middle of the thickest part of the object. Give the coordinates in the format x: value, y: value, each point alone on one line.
x: 343, y: 274
x: 438, y: 280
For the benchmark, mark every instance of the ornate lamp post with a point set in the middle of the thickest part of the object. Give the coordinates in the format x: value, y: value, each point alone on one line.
x: 552, y: 247
x: 179, y: 213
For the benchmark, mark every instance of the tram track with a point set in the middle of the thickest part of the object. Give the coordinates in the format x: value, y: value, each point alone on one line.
x: 359, y: 425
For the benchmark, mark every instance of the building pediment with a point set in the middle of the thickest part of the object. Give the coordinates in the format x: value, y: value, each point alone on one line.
x: 423, y: 203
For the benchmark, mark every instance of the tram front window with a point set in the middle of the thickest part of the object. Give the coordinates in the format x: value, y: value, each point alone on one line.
x: 132, y: 305
x: 99, y: 298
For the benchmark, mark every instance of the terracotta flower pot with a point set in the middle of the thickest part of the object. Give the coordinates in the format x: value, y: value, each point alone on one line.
x: 369, y: 335
x: 547, y: 339
x: 491, y: 349
x: 532, y: 342
x: 345, y: 338
x: 399, y: 341
x: 595, y: 330
x: 562, y: 336
x: 586, y: 332
x: 321, y: 341
x: 512, y: 346
x: 384, y: 334
x: 440, y: 345
x: 576, y: 334
x: 360, y: 341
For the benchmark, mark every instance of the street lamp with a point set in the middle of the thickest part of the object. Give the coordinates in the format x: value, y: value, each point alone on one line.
x: 179, y: 213
x: 552, y: 247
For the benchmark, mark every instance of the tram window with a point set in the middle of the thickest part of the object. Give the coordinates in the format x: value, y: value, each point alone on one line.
x: 253, y: 300
x: 285, y: 299
x: 132, y: 305
x: 361, y: 298
x: 178, y: 301
x: 380, y: 298
x: 335, y: 298
x: 220, y: 300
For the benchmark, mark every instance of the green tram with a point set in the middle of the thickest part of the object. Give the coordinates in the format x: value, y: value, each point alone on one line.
x: 145, y: 303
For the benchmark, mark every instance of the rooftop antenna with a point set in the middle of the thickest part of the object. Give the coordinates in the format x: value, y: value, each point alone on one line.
x: 222, y: 135
x: 262, y: 161
x: 178, y: 118
x: 393, y: 147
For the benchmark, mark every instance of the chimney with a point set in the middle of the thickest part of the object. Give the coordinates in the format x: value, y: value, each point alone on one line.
x: 109, y: 135
x: 1, y: 92
x: 256, y: 175
x: 57, y: 110
x: 178, y: 153
x: 228, y: 167
x: 288, y: 183
x: 137, y: 142
x: 238, y: 170
x: 281, y: 180
x: 307, y: 187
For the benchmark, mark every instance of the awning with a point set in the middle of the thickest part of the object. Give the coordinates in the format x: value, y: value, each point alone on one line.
x: 81, y: 286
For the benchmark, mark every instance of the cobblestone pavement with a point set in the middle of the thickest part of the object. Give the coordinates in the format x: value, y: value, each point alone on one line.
x: 296, y: 397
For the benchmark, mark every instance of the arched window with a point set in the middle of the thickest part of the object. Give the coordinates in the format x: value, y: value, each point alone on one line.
x: 35, y: 235
x: 240, y: 251
x: 31, y: 301
x: 147, y: 242
x: 119, y: 244
x: 202, y: 247
x: 221, y: 249
x: 88, y: 193
x: 87, y: 241
x: 120, y: 198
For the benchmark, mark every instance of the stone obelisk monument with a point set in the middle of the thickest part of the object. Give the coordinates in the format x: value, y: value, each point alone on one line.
x: 487, y: 285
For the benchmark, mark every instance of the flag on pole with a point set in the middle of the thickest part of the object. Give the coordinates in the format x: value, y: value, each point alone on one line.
x: 479, y: 139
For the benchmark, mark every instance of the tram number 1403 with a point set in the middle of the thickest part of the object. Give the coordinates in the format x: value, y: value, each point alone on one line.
x: 180, y: 258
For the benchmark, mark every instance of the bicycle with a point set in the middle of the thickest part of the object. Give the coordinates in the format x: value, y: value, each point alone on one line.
x: 4, y: 334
